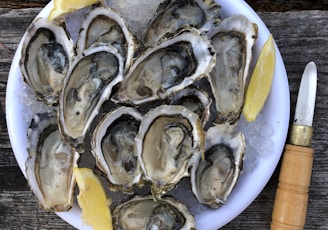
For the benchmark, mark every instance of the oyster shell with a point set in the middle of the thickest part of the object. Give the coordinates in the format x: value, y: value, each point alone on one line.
x: 104, y: 25
x: 145, y: 213
x: 46, y: 57
x: 233, y: 41
x: 88, y: 84
x: 113, y: 147
x: 167, y: 68
x: 194, y: 99
x: 214, y: 177
x: 49, y: 167
x: 173, y: 15
x: 169, y: 141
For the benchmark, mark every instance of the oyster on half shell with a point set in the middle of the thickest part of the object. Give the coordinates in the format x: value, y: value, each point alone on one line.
x: 233, y: 41
x: 113, y: 147
x: 88, y: 84
x: 145, y: 213
x: 214, y: 177
x: 169, y: 141
x: 167, y: 68
x: 104, y: 25
x: 46, y: 57
x: 49, y: 167
x: 173, y: 15
x: 194, y: 99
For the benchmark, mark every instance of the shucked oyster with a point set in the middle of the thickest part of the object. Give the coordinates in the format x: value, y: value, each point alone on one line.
x: 104, y: 25
x: 46, y: 57
x: 113, y: 146
x: 167, y: 68
x: 169, y: 141
x: 49, y: 164
x: 88, y: 84
x: 233, y: 41
x: 214, y: 177
x: 145, y: 213
x: 194, y: 99
x: 173, y: 15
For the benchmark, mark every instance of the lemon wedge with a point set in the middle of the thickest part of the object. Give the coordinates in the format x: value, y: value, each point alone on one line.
x: 261, y: 80
x: 92, y: 200
x: 62, y: 7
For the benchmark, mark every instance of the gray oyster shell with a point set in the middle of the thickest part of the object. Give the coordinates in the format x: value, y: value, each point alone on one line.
x: 169, y: 141
x: 194, y: 99
x: 88, y: 84
x: 145, y: 213
x: 46, y: 57
x: 104, y: 25
x: 49, y: 167
x: 233, y: 41
x: 214, y: 177
x: 170, y: 67
x: 113, y: 147
x: 172, y: 15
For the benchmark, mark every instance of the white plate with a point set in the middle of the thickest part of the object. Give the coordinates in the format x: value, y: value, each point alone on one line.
x: 251, y: 183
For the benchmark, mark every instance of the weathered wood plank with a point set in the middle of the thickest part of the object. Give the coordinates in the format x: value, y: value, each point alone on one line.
x: 258, y: 5
x: 18, y: 210
x: 282, y: 5
x: 13, y: 179
x: 17, y: 4
x: 13, y: 25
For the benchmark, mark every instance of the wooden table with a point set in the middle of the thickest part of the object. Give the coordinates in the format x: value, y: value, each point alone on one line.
x: 301, y: 35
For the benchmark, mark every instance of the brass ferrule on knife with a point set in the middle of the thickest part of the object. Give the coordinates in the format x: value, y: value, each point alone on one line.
x: 301, y: 135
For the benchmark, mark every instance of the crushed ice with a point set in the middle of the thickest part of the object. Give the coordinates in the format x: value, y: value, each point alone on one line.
x: 141, y: 10
x: 258, y: 140
x: 33, y: 106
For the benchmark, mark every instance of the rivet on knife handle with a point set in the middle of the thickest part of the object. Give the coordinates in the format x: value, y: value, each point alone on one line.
x: 290, y: 206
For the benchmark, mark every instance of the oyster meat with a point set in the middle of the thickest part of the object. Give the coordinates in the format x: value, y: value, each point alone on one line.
x: 102, y: 24
x: 233, y: 41
x: 214, y: 177
x: 88, y: 84
x: 173, y: 15
x: 145, y: 213
x: 113, y: 147
x: 167, y: 68
x: 49, y: 167
x: 46, y: 57
x: 169, y: 141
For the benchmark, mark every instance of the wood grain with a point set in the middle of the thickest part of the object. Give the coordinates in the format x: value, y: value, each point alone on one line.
x: 282, y: 5
x: 17, y: 4
x: 301, y: 37
x: 290, y: 205
x: 258, y: 5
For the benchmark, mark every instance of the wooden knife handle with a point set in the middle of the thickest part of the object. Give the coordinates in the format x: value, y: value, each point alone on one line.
x: 289, y: 210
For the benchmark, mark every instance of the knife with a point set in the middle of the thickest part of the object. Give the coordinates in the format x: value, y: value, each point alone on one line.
x: 289, y: 210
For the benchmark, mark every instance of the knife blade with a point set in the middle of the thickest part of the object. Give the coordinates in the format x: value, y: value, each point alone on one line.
x: 306, y: 96
x: 290, y: 205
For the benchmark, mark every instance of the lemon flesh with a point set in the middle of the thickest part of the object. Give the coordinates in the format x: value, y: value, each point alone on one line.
x: 92, y: 200
x: 62, y: 7
x: 261, y: 80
